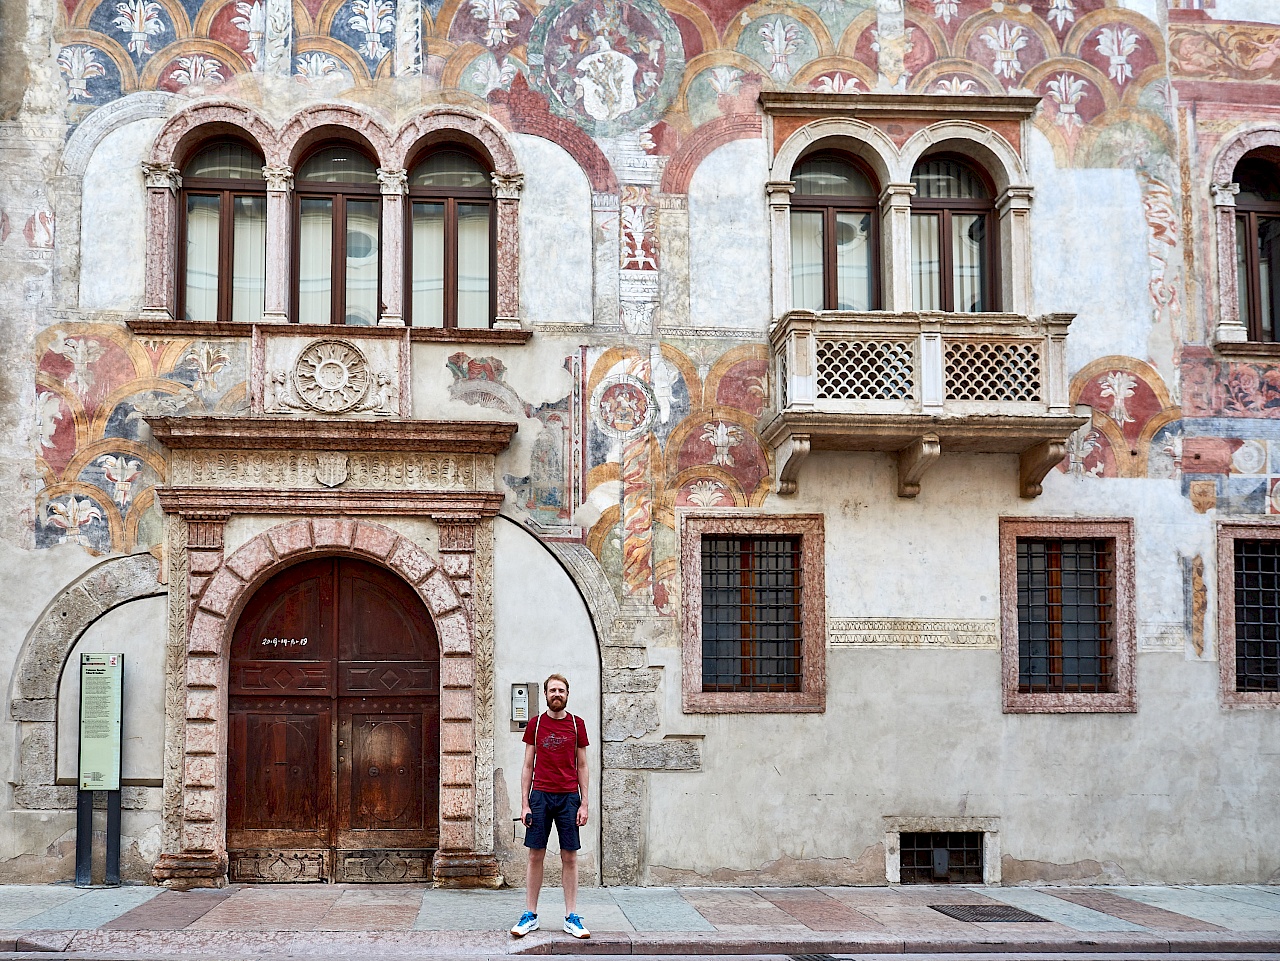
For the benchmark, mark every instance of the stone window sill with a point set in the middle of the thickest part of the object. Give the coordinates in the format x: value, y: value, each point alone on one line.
x: 200, y: 328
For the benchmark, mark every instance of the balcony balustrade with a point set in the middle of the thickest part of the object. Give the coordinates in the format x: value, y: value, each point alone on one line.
x: 918, y: 384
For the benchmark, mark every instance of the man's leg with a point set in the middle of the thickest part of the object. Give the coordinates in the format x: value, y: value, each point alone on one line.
x: 569, y: 880
x: 533, y: 880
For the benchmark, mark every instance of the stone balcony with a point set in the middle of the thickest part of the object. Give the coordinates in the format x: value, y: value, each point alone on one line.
x: 918, y: 384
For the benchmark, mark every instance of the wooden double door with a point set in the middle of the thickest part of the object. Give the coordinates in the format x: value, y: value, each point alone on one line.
x: 333, y: 754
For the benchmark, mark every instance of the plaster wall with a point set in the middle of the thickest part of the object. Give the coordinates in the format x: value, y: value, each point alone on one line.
x: 541, y: 626
x: 1260, y: 11
x: 112, y: 219
x: 729, y: 238
x: 1095, y: 266
x: 1087, y: 797
x: 555, y: 235
x: 136, y: 630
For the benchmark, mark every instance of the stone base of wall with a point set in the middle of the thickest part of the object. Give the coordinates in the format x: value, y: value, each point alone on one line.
x: 465, y: 870
x: 182, y: 872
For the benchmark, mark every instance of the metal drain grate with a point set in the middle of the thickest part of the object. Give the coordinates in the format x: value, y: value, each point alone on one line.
x: 813, y: 957
x: 986, y: 912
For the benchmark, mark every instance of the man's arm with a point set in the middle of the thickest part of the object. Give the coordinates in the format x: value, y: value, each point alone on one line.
x: 584, y: 782
x: 526, y: 781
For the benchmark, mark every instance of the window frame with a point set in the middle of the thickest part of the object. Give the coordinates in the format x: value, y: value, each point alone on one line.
x: 1250, y: 298
x: 338, y: 193
x: 450, y: 196
x: 944, y: 208
x: 830, y: 208
x: 809, y: 528
x: 1228, y: 533
x: 226, y: 194
x: 1120, y: 700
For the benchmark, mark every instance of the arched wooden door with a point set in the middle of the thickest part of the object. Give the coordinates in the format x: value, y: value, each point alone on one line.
x: 333, y: 754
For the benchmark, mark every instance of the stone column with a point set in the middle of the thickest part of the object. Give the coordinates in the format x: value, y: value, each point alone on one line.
x: 198, y: 856
x: 506, y: 190
x: 163, y: 183
x: 895, y: 246
x: 780, y: 192
x: 465, y: 858
x: 279, y: 243
x: 1014, y: 209
x: 1231, y: 327
x: 394, y: 188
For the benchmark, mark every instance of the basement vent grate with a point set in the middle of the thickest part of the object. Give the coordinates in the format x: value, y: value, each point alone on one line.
x: 813, y: 957
x: 986, y: 912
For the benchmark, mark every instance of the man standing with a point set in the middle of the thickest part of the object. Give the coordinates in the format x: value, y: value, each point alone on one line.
x: 553, y: 788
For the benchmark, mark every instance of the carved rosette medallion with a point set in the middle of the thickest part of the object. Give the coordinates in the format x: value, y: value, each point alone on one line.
x: 623, y: 406
x: 331, y: 376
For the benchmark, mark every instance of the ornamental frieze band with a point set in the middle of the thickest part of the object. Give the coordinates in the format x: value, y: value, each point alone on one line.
x: 307, y: 470
x: 902, y: 632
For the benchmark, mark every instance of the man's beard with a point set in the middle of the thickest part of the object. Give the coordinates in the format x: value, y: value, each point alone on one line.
x: 556, y: 702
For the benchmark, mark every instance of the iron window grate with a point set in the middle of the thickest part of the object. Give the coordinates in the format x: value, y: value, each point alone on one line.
x: 1066, y: 601
x: 1257, y: 589
x: 986, y: 912
x: 940, y: 857
x: 751, y: 610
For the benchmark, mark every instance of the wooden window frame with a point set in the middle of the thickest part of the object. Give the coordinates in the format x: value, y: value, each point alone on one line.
x: 1228, y: 534
x: 1251, y: 297
x: 450, y: 197
x: 1122, y: 699
x: 809, y: 528
x: 226, y: 189
x: 944, y: 208
x: 829, y: 208
x: 339, y: 193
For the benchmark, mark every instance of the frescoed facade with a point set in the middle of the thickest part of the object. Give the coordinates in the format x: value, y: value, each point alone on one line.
x: 872, y: 407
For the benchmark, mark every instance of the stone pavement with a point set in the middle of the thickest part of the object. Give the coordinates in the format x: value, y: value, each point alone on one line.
x: 400, y: 921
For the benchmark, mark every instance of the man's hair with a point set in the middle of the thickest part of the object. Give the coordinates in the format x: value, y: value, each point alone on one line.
x: 556, y: 677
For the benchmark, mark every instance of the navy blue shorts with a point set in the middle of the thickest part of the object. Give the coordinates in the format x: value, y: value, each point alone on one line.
x: 560, y: 808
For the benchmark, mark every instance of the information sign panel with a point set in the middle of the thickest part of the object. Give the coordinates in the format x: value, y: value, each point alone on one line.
x: 101, y: 687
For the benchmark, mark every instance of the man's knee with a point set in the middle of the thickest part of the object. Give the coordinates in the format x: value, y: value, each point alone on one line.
x: 568, y: 857
x: 537, y: 855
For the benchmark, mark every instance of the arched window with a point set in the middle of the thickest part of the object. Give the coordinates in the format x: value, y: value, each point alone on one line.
x: 952, y: 238
x: 451, y: 242
x: 338, y: 250
x: 1258, y: 245
x: 833, y: 236
x: 223, y: 248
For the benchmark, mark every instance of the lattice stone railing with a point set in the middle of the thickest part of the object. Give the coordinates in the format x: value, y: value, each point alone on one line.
x: 915, y: 383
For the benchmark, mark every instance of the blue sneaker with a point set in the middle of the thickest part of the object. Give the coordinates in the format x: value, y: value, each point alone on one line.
x: 573, y: 925
x: 528, y: 922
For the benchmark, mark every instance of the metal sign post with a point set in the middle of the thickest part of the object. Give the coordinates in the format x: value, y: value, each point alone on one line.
x: 101, y: 702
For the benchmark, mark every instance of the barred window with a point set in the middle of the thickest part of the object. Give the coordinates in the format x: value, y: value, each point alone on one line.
x: 751, y: 614
x: 1257, y: 609
x: 1067, y: 636
x: 1065, y: 625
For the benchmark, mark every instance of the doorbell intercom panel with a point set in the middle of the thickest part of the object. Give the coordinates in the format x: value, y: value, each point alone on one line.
x: 524, y: 704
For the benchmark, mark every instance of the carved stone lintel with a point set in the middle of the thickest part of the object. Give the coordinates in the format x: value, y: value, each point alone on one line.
x: 204, y: 531
x: 914, y: 460
x: 394, y: 180
x: 181, y: 872
x: 791, y: 454
x: 1224, y: 195
x: 508, y: 186
x: 466, y: 869
x: 279, y: 178
x: 161, y: 175
x: 1036, y: 462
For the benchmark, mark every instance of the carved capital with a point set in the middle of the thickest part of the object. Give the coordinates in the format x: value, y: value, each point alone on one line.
x: 897, y: 195
x: 457, y: 536
x: 780, y: 192
x: 1224, y: 195
x: 160, y: 176
x: 394, y: 180
x: 1015, y: 199
x: 204, y: 531
x: 508, y: 186
x: 279, y: 178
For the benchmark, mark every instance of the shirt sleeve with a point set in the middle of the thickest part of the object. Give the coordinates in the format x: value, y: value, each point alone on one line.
x: 528, y: 731
x: 582, y: 733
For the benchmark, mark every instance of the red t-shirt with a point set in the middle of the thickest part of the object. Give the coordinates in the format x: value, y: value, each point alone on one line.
x: 555, y: 761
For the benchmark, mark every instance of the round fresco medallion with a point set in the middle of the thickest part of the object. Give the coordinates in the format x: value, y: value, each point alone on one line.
x: 1250, y: 458
x: 623, y: 405
x: 331, y: 375
x: 608, y: 65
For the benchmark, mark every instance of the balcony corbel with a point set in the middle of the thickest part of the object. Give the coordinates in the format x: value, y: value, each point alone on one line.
x: 790, y: 455
x: 1034, y: 465
x: 914, y: 460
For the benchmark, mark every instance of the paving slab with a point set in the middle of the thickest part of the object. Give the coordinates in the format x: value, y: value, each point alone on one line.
x: 169, y: 911
x: 1075, y: 916
x: 21, y: 901
x: 658, y: 909
x: 728, y: 908
x: 818, y: 911
x: 89, y: 910
x: 472, y: 910
x: 1233, y: 915
x: 1128, y: 909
